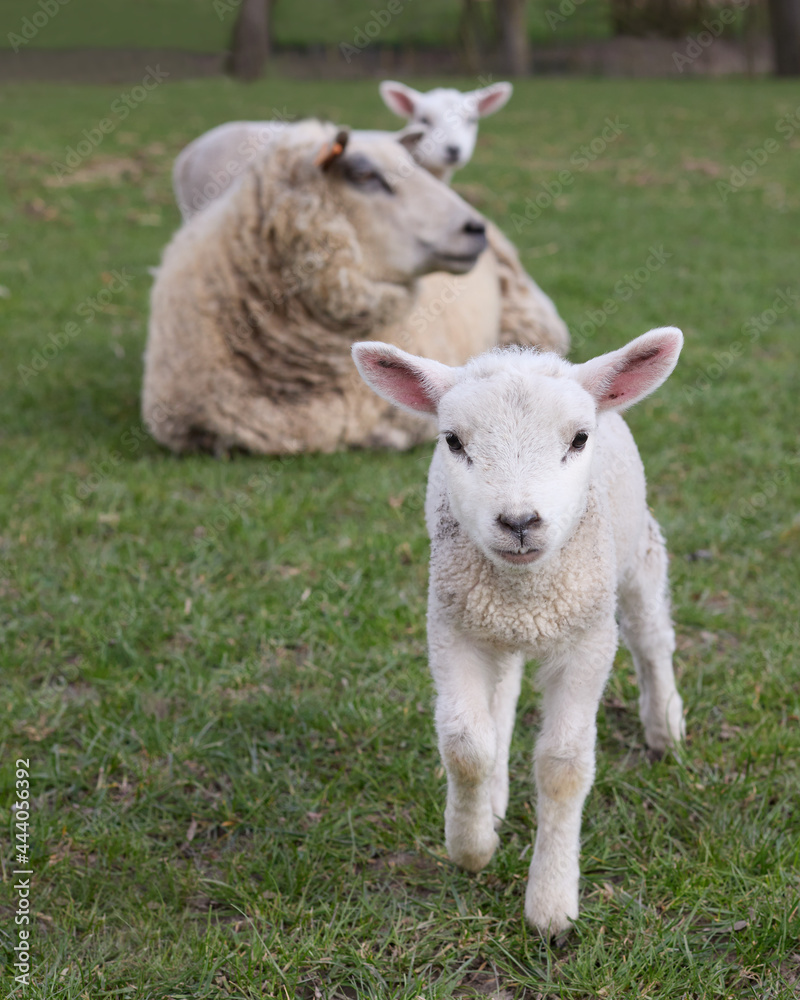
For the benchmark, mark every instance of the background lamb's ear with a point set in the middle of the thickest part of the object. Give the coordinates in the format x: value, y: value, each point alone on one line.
x: 492, y: 98
x: 623, y: 377
x: 399, y: 98
x: 407, y: 381
x: 330, y: 152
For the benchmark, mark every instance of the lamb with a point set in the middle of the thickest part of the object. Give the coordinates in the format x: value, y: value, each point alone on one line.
x: 449, y: 118
x: 323, y: 240
x: 445, y: 120
x: 540, y: 533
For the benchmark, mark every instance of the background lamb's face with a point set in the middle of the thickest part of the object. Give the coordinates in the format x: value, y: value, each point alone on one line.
x: 517, y: 449
x: 408, y: 223
x: 449, y: 119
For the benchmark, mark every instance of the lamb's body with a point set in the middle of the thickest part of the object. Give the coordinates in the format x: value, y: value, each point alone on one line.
x: 260, y: 296
x: 585, y: 548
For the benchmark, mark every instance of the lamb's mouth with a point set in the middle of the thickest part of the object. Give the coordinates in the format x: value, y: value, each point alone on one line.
x: 520, y: 558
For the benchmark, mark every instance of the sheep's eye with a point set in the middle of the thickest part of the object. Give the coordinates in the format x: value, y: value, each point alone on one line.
x: 424, y: 120
x: 359, y: 171
x: 579, y: 441
x: 453, y: 442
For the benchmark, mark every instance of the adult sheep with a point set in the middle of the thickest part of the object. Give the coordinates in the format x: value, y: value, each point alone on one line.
x: 259, y: 297
x: 444, y: 119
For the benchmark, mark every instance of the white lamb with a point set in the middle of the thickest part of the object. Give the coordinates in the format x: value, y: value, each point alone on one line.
x: 540, y: 534
x: 445, y: 120
x: 448, y: 119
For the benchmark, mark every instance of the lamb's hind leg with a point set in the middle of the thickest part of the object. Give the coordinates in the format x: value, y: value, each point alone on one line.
x: 646, y: 629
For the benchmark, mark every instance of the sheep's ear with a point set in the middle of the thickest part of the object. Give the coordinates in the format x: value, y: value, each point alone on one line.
x: 408, y: 381
x: 399, y: 98
x: 621, y: 378
x: 492, y: 98
x: 331, y: 151
x: 410, y: 137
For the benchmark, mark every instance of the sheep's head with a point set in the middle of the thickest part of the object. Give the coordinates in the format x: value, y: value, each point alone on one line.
x: 349, y: 222
x: 517, y: 431
x: 407, y: 222
x: 448, y: 118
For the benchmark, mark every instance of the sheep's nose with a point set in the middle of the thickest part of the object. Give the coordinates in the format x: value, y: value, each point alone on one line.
x: 519, y: 525
x: 453, y: 153
x: 475, y: 227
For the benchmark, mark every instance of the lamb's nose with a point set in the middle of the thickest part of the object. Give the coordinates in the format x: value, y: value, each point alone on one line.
x: 519, y: 525
x: 453, y: 152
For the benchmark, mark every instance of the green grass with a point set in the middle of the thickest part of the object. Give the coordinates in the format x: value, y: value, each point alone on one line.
x: 217, y: 669
x: 206, y: 25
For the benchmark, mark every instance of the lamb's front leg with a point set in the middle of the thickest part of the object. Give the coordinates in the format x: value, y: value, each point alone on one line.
x: 504, y: 705
x: 572, y: 682
x: 468, y: 742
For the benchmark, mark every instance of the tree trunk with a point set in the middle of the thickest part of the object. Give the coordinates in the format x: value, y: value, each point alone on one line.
x: 785, y: 26
x: 469, y: 34
x: 513, y: 29
x: 250, y: 45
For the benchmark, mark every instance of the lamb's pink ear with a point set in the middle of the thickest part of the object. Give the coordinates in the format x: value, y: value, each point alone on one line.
x: 404, y: 379
x: 399, y: 98
x: 492, y: 98
x: 621, y: 378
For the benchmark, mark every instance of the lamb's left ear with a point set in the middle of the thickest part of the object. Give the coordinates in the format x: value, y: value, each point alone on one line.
x: 492, y: 98
x: 410, y: 382
x: 621, y: 378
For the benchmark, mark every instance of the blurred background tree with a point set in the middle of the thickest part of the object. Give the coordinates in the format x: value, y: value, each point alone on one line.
x: 407, y: 36
x: 785, y: 26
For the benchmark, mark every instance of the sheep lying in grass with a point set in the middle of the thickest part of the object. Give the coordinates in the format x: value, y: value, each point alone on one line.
x: 444, y: 120
x: 540, y: 534
x: 260, y: 296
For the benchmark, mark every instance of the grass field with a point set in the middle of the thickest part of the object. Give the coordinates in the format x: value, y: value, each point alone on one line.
x: 217, y: 670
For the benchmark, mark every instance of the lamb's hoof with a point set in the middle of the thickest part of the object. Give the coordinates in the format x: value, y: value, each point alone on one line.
x: 472, y: 853
x: 548, y: 913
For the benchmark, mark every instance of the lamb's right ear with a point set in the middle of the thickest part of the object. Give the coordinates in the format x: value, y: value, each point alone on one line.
x: 399, y: 98
x: 621, y: 378
x: 410, y: 382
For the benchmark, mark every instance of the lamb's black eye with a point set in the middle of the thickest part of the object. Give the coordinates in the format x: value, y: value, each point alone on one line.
x: 579, y: 441
x: 424, y: 120
x: 453, y: 442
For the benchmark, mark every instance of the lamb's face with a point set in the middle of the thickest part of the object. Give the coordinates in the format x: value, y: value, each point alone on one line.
x: 450, y: 123
x: 447, y: 118
x: 517, y: 450
x: 408, y: 223
x: 517, y: 432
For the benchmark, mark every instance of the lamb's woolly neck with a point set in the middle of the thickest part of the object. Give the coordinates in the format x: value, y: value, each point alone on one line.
x: 531, y: 609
